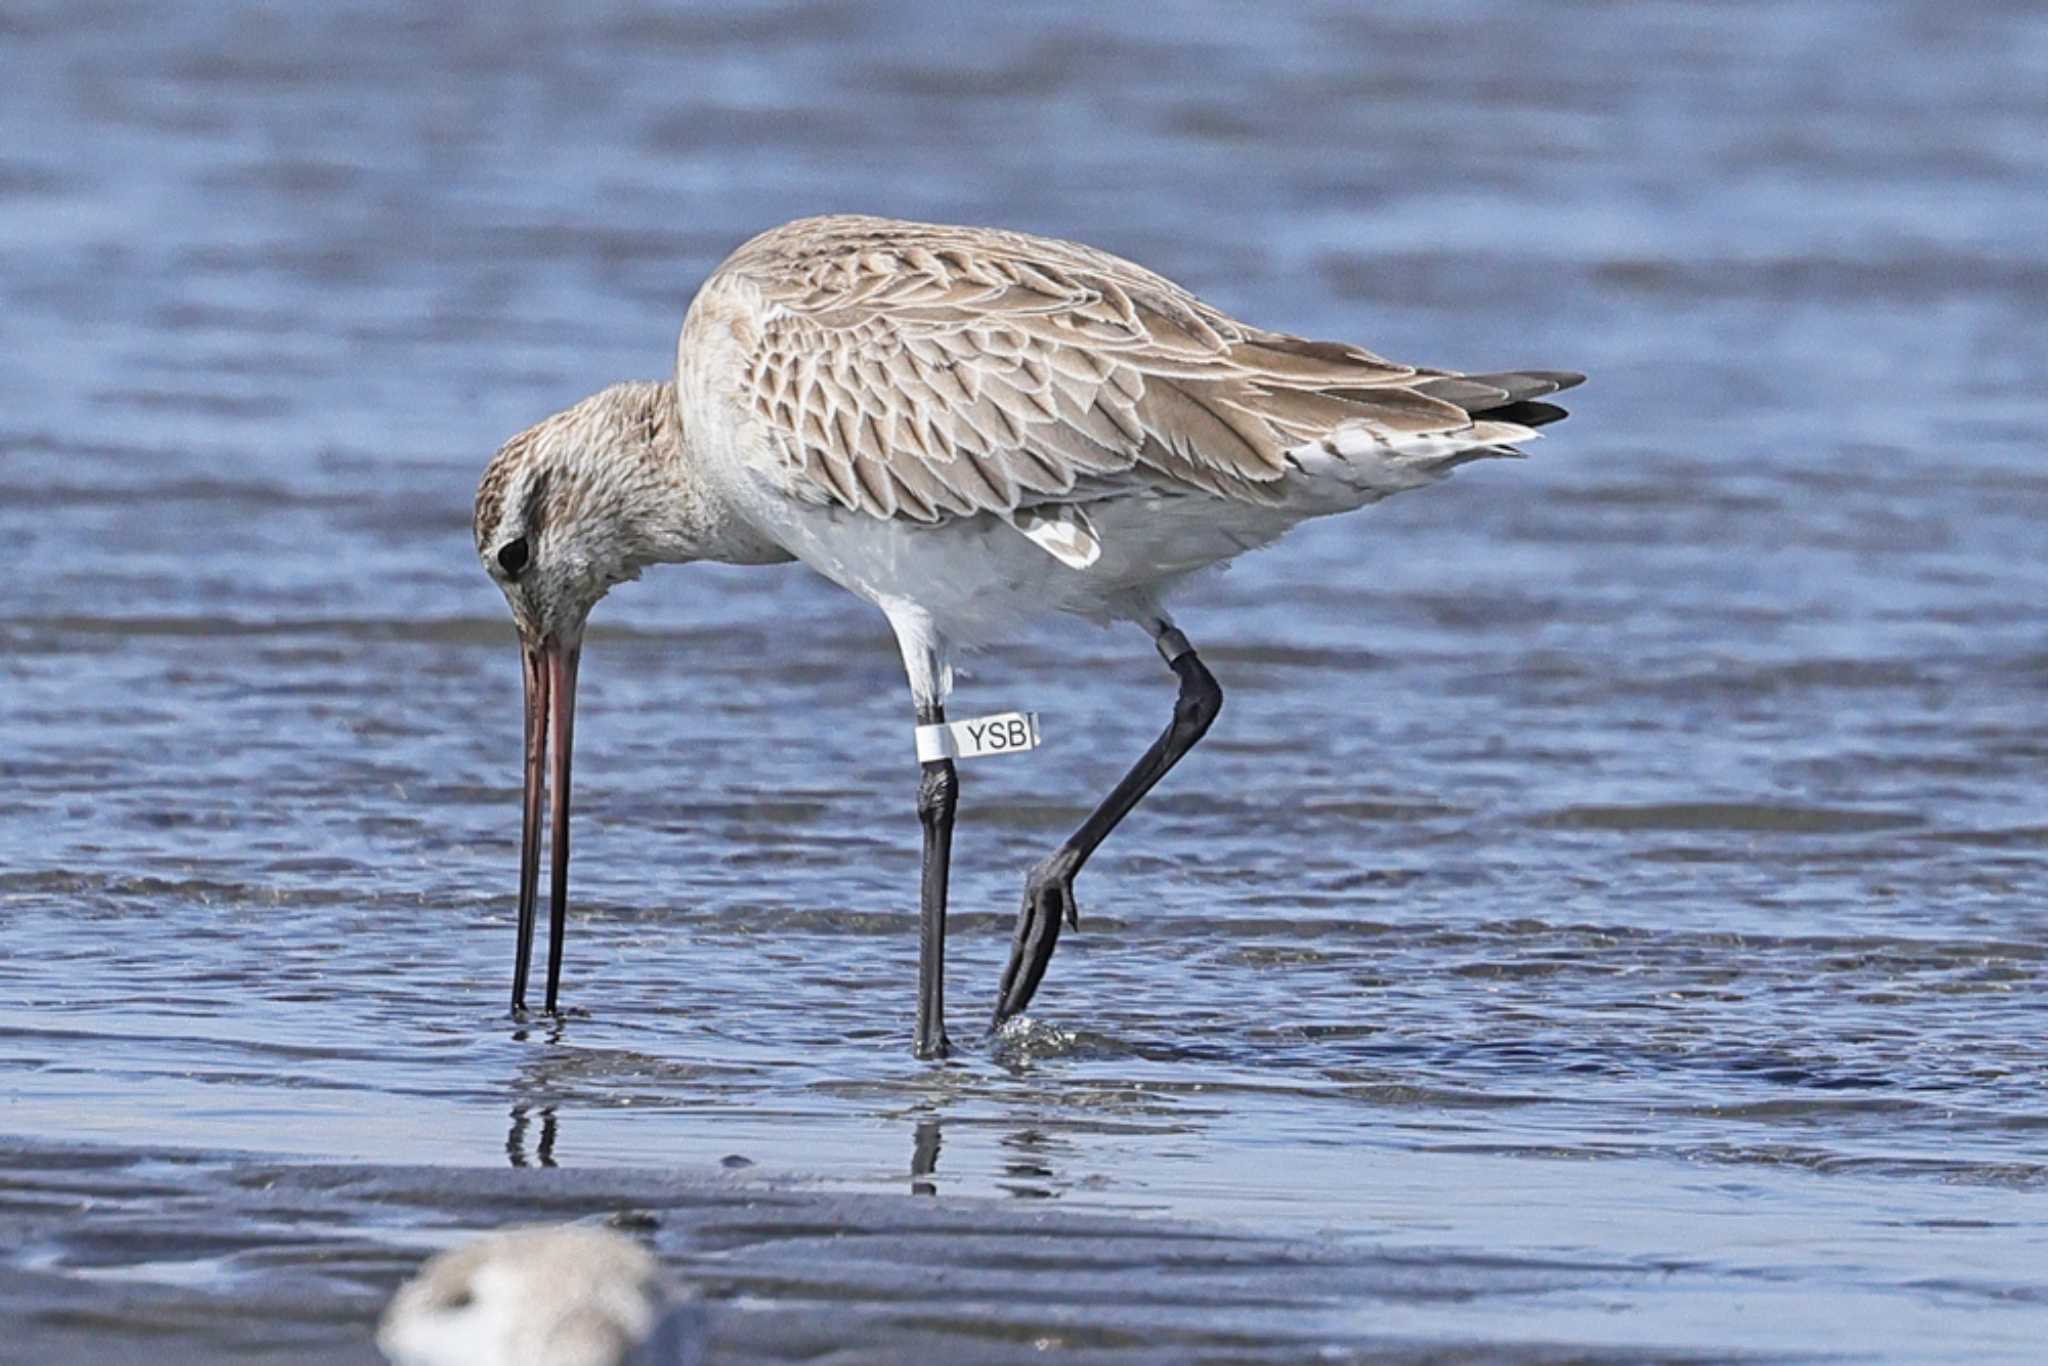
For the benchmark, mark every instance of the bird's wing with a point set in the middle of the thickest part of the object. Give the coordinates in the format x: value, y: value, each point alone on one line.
x: 918, y: 371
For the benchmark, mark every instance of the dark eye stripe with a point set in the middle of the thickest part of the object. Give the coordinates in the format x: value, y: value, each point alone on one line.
x: 512, y: 556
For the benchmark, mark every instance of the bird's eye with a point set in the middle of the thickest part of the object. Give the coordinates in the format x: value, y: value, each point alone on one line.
x: 512, y: 556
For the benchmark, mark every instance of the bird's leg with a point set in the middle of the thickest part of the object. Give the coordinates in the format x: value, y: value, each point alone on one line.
x: 1049, y: 890
x: 938, y: 792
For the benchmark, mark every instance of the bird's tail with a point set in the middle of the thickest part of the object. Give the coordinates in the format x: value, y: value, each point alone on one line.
x: 1506, y: 407
x: 1468, y: 417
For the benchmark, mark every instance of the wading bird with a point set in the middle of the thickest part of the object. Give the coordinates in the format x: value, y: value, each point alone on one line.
x: 967, y: 427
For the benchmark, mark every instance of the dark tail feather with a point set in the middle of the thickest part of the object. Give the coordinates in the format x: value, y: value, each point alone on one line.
x: 1509, y: 396
x: 1526, y: 414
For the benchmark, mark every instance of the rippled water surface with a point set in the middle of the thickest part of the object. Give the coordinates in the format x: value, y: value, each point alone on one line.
x: 1635, y: 859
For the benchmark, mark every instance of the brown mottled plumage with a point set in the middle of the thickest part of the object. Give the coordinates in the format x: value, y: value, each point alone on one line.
x: 919, y: 370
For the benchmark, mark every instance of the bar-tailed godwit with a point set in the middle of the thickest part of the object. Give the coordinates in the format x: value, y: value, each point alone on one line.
x: 969, y: 428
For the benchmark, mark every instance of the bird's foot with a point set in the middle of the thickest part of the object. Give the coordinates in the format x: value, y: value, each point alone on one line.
x: 1048, y: 900
x: 1049, y: 891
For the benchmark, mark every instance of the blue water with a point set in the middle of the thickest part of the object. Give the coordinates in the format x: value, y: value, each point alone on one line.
x: 1639, y: 853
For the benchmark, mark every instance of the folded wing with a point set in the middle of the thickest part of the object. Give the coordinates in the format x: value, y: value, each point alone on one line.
x: 925, y: 372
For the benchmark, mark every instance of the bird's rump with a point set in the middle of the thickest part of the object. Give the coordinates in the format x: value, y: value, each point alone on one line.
x: 923, y: 372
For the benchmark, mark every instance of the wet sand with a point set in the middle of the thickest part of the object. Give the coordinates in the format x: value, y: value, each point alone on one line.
x: 163, y: 1259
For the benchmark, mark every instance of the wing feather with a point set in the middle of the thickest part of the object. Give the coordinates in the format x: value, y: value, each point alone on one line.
x: 921, y: 371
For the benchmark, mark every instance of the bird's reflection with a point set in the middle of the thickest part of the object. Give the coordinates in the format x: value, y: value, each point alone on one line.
x: 1030, y: 1160
x: 924, y: 1158
x: 522, y: 1147
x: 543, y: 1153
x: 1029, y: 1157
x: 550, y: 1032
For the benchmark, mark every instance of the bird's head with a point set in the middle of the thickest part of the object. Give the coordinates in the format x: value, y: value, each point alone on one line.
x: 560, y: 1295
x: 566, y: 509
x: 574, y: 504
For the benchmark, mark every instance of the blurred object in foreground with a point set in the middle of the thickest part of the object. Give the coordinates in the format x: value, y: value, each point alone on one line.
x: 558, y: 1295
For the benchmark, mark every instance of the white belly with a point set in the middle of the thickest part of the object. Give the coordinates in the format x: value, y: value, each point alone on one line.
x: 980, y: 577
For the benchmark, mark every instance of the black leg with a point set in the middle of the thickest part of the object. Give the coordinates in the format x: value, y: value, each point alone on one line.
x: 938, y: 792
x: 1049, y: 891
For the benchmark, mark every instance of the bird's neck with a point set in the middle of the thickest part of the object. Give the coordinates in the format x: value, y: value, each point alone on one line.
x: 681, y: 517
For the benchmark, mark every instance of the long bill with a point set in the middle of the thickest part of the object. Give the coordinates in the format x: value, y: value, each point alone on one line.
x: 550, y: 698
x: 562, y: 679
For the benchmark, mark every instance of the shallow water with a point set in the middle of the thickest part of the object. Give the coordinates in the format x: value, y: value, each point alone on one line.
x: 1635, y: 857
